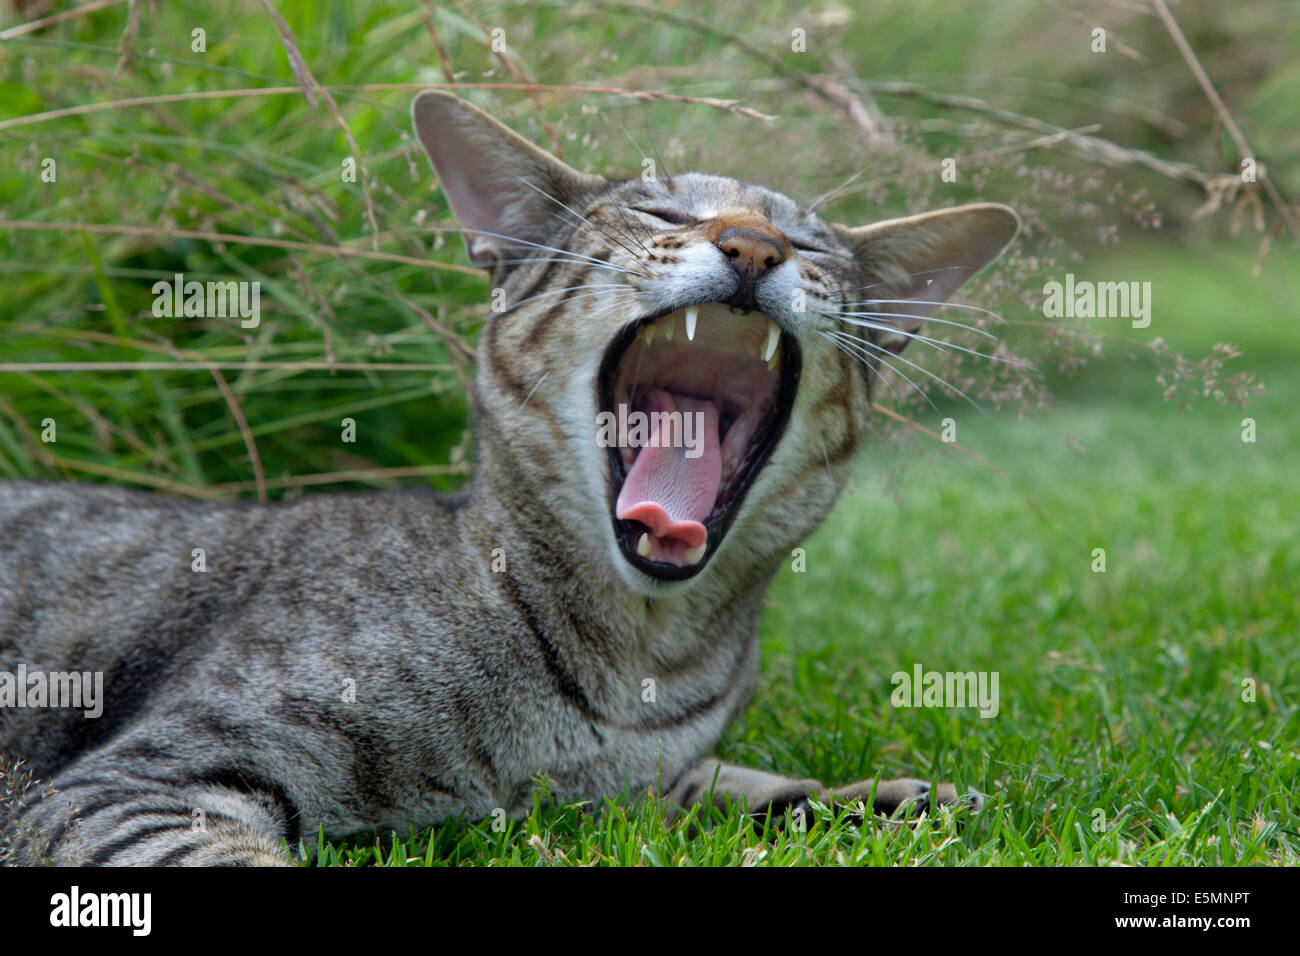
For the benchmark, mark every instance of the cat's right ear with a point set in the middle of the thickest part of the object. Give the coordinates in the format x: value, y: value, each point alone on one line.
x: 915, y: 263
x: 504, y: 191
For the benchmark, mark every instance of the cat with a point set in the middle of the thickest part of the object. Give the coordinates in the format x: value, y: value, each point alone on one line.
x: 356, y: 661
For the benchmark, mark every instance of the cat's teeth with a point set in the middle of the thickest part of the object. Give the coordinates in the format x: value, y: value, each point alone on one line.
x: 643, y: 546
x: 773, y: 340
x: 693, y: 555
x: 649, y: 334
x: 774, y: 362
x: 670, y: 326
x: 728, y: 469
x: 692, y: 313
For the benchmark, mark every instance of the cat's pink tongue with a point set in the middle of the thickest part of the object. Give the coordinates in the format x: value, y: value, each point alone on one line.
x: 666, y: 491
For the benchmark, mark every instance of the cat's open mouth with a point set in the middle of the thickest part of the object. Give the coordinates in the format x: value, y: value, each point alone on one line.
x: 693, y: 401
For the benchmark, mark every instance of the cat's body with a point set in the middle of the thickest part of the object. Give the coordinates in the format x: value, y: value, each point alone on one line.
x: 467, y: 682
x: 374, y: 660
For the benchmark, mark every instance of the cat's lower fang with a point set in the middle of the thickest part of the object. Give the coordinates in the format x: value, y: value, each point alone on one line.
x: 693, y: 555
x: 643, y: 546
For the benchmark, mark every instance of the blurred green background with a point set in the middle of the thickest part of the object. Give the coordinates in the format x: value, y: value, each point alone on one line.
x: 269, y: 167
x: 1120, y: 688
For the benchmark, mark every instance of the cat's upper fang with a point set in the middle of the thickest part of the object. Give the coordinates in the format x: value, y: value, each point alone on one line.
x: 773, y: 340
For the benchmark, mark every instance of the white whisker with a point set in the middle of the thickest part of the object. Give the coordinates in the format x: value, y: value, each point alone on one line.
x: 604, y: 286
x: 533, y: 389
x: 871, y: 362
x: 852, y: 346
x: 584, y: 295
x: 530, y: 259
x: 604, y: 237
x: 845, y: 314
x: 919, y: 368
x: 569, y: 256
x: 627, y: 228
x: 826, y: 458
x: 628, y: 249
x: 949, y: 305
x: 812, y: 206
x: 909, y: 275
x: 941, y: 345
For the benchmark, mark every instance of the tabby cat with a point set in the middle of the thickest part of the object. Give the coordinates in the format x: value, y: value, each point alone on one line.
x: 357, y: 661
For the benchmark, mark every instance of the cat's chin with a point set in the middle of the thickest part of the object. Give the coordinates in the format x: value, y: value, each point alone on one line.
x: 692, y: 404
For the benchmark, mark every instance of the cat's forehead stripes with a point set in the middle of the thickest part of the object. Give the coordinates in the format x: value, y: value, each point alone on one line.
x: 705, y: 196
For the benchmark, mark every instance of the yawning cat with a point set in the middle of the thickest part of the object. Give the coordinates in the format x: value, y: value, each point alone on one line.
x: 357, y: 661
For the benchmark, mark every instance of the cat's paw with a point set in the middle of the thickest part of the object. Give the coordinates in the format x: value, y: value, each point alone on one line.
x: 906, y: 796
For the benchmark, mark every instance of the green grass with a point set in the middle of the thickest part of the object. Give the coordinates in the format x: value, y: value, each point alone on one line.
x: 1120, y: 692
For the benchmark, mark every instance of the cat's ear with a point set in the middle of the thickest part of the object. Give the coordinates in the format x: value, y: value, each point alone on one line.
x: 497, y: 183
x: 923, y: 259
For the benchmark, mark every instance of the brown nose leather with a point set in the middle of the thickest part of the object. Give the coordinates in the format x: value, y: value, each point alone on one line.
x: 750, y: 249
x: 752, y: 245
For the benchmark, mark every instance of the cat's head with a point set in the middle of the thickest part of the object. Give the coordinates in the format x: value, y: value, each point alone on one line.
x: 717, y: 310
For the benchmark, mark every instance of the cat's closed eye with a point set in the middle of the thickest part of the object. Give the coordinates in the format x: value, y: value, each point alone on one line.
x: 804, y: 246
x: 673, y: 217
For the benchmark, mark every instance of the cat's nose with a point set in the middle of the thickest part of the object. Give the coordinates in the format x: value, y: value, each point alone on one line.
x: 752, y: 250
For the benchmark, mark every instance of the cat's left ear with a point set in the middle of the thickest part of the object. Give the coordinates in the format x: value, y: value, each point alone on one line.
x: 502, y: 189
x: 921, y: 260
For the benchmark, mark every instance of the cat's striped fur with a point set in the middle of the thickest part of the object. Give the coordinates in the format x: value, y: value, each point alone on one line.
x: 227, y: 726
